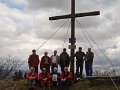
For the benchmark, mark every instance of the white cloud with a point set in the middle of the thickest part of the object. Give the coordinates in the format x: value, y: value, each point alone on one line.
x: 24, y: 30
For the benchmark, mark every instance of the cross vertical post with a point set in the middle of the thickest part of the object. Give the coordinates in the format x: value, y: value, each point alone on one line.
x: 72, y: 40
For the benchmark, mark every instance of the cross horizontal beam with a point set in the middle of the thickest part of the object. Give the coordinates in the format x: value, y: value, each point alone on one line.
x: 94, y: 13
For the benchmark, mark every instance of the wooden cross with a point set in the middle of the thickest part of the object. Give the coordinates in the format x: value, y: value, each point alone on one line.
x: 73, y: 15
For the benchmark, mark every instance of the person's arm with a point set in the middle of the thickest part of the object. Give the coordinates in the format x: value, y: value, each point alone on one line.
x: 69, y: 76
x: 40, y: 76
x: 41, y: 63
x: 75, y: 55
x: 36, y: 76
x: 49, y: 76
x: 50, y: 62
x: 28, y: 76
x: 84, y: 55
x: 68, y: 58
x: 51, y: 58
x: 91, y: 56
x: 60, y: 60
x: 29, y: 60
x: 62, y: 75
x: 38, y: 59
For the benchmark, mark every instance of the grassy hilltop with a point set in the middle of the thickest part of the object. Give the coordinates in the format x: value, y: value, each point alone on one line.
x: 81, y: 85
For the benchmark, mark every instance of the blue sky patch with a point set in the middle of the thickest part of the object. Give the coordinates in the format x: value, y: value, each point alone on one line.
x: 10, y: 4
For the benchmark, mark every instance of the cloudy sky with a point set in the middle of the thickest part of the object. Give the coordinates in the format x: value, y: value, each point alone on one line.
x: 25, y: 25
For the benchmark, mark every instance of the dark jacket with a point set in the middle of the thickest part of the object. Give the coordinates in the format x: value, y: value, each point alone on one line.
x: 80, y: 56
x: 64, y: 59
x: 89, y: 57
x: 58, y: 76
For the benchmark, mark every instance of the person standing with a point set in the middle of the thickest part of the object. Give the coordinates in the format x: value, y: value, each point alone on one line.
x: 54, y: 60
x: 80, y: 56
x: 33, y: 60
x: 45, y: 62
x: 64, y: 60
x: 89, y: 62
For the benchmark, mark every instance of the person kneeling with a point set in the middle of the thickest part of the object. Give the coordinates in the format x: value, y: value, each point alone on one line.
x: 31, y: 77
x: 55, y: 78
x: 45, y: 79
x: 66, y: 79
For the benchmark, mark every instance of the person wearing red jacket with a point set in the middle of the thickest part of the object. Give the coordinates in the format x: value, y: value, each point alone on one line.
x: 45, y: 79
x: 45, y: 62
x: 31, y: 77
x: 66, y: 79
x: 33, y: 60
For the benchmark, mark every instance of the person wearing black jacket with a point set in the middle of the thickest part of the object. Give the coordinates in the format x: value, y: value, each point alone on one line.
x: 80, y: 56
x: 64, y: 60
x: 89, y: 62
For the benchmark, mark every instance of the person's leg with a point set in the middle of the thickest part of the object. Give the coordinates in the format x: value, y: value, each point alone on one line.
x: 62, y: 68
x: 36, y: 80
x: 54, y: 84
x: 47, y: 68
x: 52, y: 67
x: 81, y: 69
x: 67, y: 84
x: 42, y: 84
x: 31, y: 84
x: 49, y: 84
x: 77, y: 70
x: 36, y: 69
x: 62, y: 85
x: 87, y: 68
x: 90, y: 69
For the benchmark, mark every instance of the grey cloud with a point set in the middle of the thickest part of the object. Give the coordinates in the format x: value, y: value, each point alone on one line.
x: 43, y: 4
x: 88, y: 5
x: 65, y: 4
x: 103, y: 28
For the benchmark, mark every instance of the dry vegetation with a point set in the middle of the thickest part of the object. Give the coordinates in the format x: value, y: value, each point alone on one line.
x: 81, y: 85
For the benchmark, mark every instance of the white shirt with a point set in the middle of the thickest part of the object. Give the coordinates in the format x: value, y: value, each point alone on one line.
x: 54, y: 77
x: 54, y: 59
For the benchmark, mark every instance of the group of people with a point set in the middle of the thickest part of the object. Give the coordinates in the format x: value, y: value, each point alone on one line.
x: 49, y: 80
x: 63, y: 60
x: 81, y: 57
x: 47, y: 62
